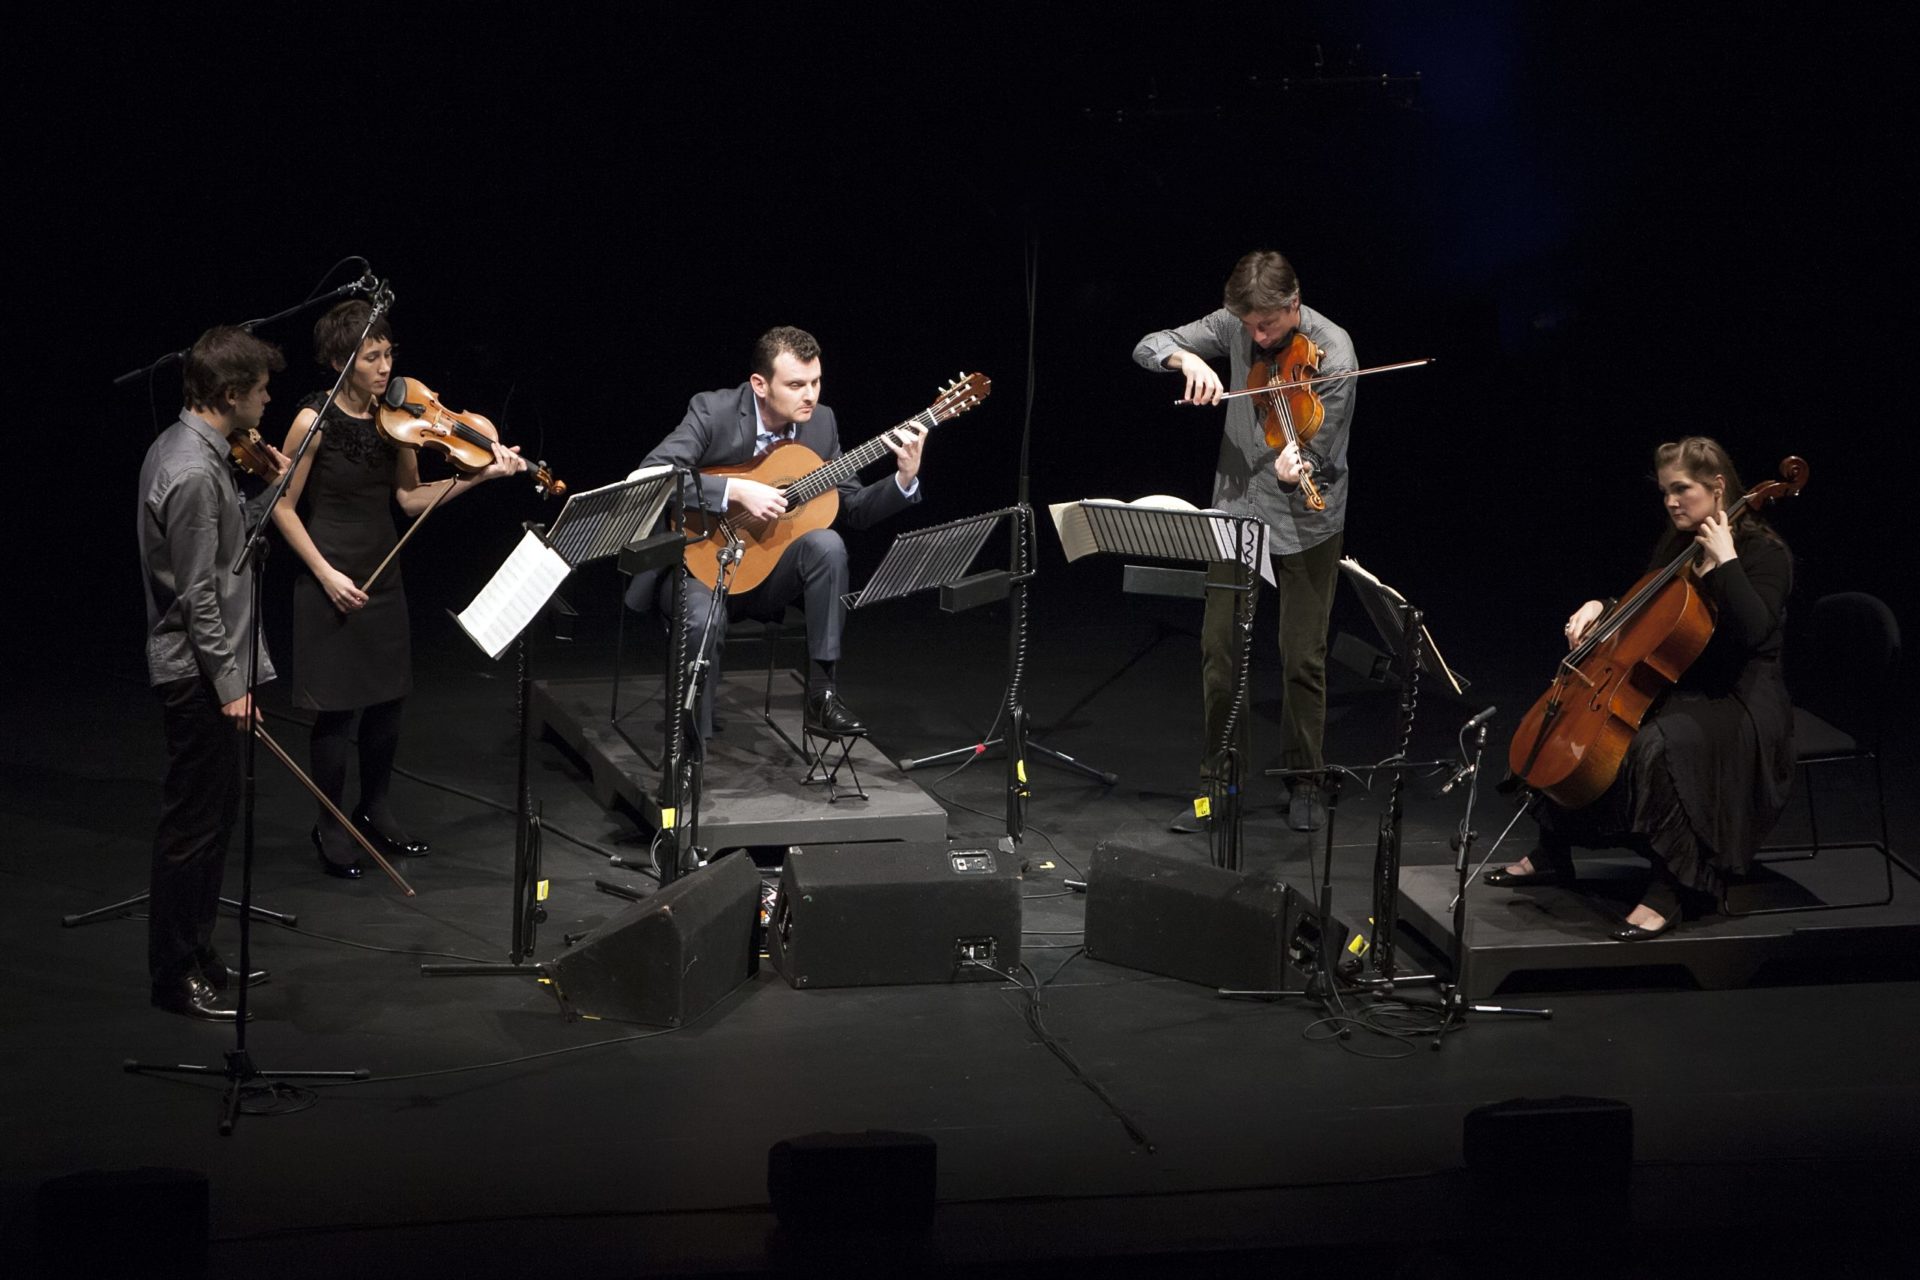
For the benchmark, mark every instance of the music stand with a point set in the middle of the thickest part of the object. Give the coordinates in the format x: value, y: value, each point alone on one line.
x: 591, y: 526
x: 1199, y: 537
x: 939, y: 556
x: 1404, y: 629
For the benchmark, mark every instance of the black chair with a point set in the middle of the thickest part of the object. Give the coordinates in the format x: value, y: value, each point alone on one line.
x: 1842, y: 688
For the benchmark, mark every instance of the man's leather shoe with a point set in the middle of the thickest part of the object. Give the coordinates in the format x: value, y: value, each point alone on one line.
x: 193, y: 998
x: 829, y: 717
x: 339, y: 870
x: 1189, y: 823
x: 386, y: 844
x: 1306, y: 809
x: 220, y: 976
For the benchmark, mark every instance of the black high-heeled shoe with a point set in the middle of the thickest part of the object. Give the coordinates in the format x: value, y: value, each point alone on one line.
x: 339, y: 870
x: 386, y: 844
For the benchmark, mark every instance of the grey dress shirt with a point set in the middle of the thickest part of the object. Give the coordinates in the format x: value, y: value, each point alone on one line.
x: 1243, y: 479
x: 193, y: 523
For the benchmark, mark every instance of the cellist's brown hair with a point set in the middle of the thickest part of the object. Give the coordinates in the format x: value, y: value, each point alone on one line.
x: 1705, y: 459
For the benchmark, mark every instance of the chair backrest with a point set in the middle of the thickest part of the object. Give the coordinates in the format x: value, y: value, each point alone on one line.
x: 1845, y: 674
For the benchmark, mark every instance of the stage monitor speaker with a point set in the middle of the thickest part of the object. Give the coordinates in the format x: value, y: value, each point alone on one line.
x: 1201, y: 923
x: 667, y: 959
x: 883, y: 914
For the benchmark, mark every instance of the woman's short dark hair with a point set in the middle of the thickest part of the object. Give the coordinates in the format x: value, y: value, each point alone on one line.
x: 336, y: 335
x: 784, y: 337
x: 226, y: 358
x: 1261, y: 281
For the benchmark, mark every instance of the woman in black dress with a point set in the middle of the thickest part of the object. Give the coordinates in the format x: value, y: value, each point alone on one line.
x: 1709, y: 771
x: 351, y: 649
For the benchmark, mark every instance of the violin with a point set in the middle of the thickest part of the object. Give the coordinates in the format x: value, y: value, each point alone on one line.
x: 412, y: 416
x: 1571, y: 743
x: 249, y: 453
x: 1291, y: 411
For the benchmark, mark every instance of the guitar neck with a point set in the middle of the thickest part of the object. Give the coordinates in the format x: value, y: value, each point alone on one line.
x: 848, y: 465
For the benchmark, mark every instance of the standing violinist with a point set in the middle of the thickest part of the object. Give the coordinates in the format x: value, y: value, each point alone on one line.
x: 1261, y: 316
x: 1709, y: 771
x: 200, y: 626
x: 352, y: 651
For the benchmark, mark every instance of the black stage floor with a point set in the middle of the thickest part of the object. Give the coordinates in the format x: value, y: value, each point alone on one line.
x: 1776, y: 1124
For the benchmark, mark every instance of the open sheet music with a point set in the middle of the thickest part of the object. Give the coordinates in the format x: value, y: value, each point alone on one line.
x: 1219, y: 539
x: 515, y: 593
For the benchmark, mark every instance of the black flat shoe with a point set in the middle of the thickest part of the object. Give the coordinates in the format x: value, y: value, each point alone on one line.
x: 1635, y: 933
x: 338, y: 870
x: 1501, y: 878
x: 191, y: 997
x: 386, y: 844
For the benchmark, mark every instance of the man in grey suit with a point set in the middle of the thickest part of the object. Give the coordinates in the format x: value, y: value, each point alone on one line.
x: 780, y: 401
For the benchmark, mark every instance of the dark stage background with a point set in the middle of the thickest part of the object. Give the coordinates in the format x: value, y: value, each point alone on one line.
x: 1612, y: 225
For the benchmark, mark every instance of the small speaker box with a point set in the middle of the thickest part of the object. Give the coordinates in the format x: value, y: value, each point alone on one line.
x: 886, y: 914
x: 667, y: 959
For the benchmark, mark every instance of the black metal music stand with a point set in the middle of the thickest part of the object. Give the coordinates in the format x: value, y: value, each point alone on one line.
x: 1195, y: 537
x: 940, y: 556
x: 1010, y: 584
x: 591, y: 526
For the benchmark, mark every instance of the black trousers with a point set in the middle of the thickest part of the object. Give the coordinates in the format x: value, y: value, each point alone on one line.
x: 199, y: 800
x: 813, y: 571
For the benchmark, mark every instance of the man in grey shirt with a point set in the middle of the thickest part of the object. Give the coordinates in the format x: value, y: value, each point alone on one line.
x: 1262, y: 312
x: 192, y: 524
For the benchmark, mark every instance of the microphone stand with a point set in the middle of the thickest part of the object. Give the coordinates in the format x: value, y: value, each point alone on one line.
x: 240, y: 1070
x: 1454, y: 1000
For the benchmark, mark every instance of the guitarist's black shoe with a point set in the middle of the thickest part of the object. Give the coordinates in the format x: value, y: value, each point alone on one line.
x: 829, y: 717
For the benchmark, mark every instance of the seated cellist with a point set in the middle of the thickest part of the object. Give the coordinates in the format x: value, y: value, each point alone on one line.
x: 1709, y: 770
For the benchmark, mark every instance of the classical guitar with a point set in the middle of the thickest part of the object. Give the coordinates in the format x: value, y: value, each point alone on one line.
x: 812, y: 488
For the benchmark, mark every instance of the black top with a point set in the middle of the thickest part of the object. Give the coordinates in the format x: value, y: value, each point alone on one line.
x: 345, y: 661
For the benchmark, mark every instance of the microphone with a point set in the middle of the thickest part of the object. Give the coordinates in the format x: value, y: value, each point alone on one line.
x: 1479, y: 719
x: 1460, y: 775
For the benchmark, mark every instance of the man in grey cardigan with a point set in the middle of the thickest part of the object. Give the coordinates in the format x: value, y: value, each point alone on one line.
x: 1262, y: 311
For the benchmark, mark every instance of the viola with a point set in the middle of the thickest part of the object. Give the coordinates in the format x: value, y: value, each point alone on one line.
x: 1571, y: 744
x: 413, y: 417
x: 1291, y: 411
x: 249, y: 453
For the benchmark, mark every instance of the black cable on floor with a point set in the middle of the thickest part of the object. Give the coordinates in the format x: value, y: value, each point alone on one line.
x: 1033, y: 1013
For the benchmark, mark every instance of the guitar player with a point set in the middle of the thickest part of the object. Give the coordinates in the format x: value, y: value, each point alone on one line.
x: 779, y: 402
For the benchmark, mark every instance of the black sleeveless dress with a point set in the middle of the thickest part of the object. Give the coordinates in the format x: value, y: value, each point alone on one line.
x: 344, y: 661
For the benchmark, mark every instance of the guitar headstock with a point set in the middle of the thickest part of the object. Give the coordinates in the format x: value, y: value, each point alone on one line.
x: 961, y: 395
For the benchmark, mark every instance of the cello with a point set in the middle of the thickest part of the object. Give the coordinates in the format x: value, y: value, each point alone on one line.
x: 1571, y: 743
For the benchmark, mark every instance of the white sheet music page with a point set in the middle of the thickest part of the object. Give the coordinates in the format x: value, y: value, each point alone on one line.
x: 514, y: 595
